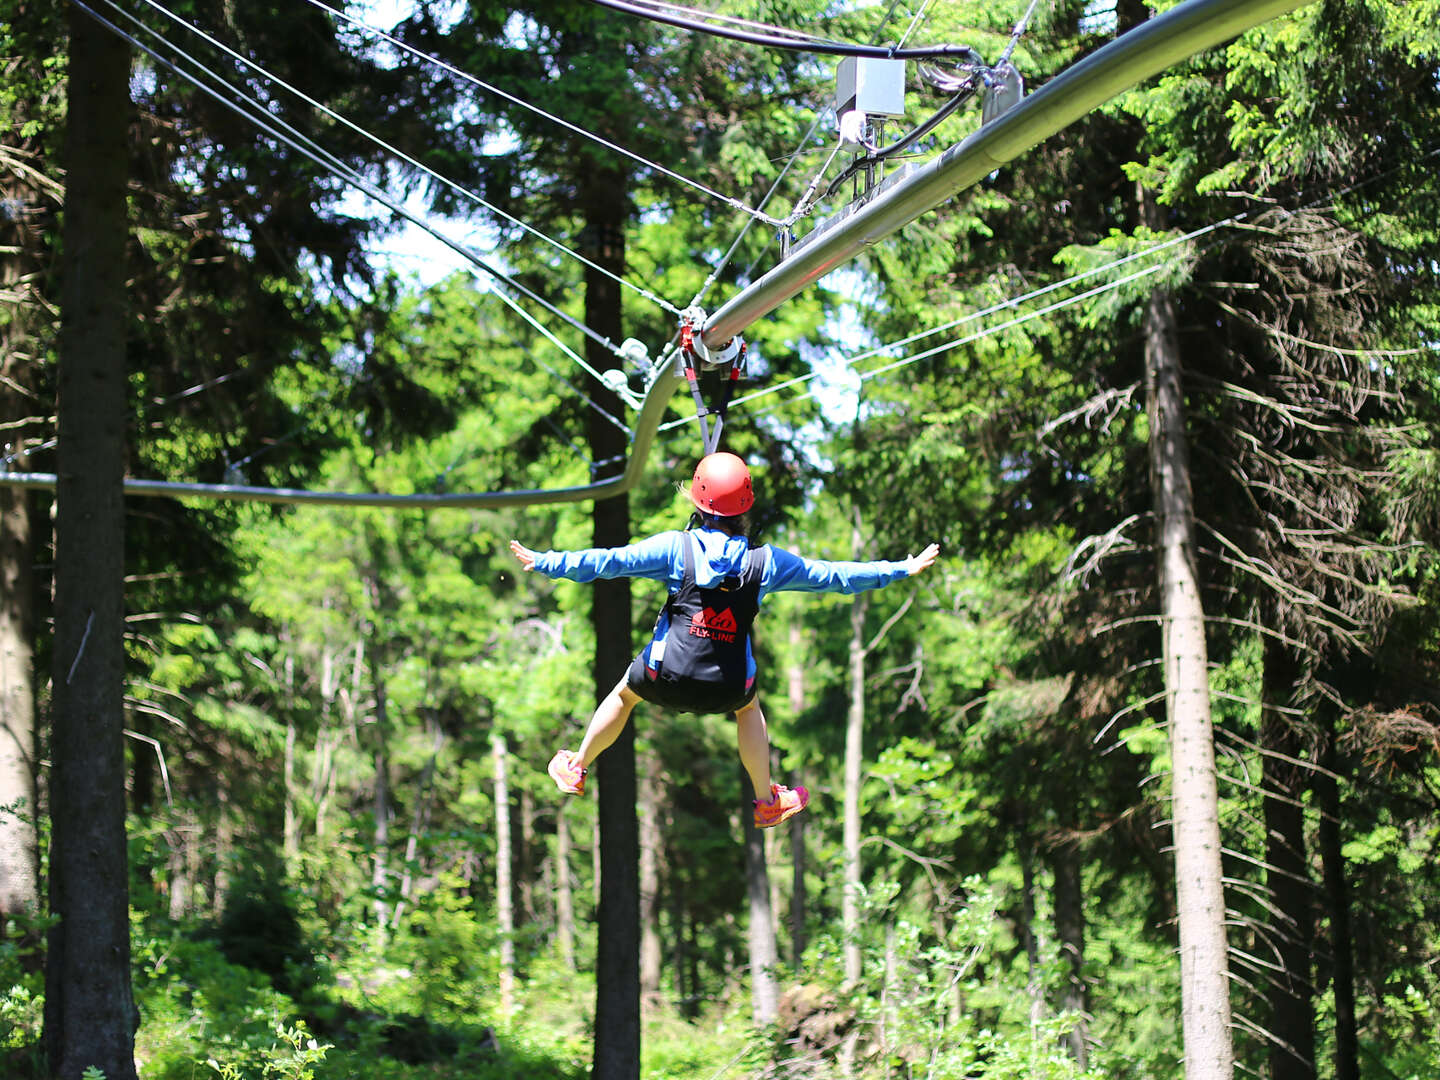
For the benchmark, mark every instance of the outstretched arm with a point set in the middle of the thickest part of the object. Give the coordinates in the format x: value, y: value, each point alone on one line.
x: 650, y: 558
x: 926, y: 559
x: 787, y: 571
x: 524, y: 554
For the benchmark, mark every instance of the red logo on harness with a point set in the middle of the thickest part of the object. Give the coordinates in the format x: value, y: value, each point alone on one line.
x: 716, y: 625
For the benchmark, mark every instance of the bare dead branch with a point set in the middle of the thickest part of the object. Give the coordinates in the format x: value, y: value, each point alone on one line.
x: 1099, y: 548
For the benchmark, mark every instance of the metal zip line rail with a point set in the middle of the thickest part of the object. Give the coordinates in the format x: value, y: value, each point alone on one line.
x: 657, y: 397
x: 1145, y: 51
x: 1127, y: 61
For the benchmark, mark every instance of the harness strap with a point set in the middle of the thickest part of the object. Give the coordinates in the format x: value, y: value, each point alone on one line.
x: 709, y: 435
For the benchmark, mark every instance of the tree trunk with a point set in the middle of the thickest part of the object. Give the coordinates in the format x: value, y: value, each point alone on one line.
x: 181, y: 868
x: 1337, y: 897
x: 419, y: 818
x: 1290, y: 991
x: 764, y: 955
x: 524, y: 866
x: 1195, y: 814
x: 617, y: 959
x: 678, y: 933
x: 22, y: 237
x: 564, y: 890
x: 650, y: 997
x: 90, y: 1014
x: 19, y: 854
x: 325, y: 778
x: 504, y: 904
x: 380, y: 866
x: 1070, y: 932
x: 595, y: 873
x: 291, y: 827
x: 224, y: 841
x: 1034, y: 984
x: 796, y: 688
x: 854, y: 761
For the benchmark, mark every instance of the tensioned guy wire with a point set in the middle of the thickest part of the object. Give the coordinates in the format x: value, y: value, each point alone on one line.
x: 318, y: 155
x: 945, y: 346
x: 307, y: 147
x: 1019, y: 320
x: 914, y: 24
x: 452, y: 185
x: 779, y: 38
x: 514, y: 100
x: 750, y: 24
x: 1233, y: 220
x: 1018, y: 32
x: 1003, y: 305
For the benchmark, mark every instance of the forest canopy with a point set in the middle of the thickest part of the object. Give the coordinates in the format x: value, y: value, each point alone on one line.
x: 1141, y: 779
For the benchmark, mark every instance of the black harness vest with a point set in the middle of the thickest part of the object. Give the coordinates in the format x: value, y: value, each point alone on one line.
x: 703, y: 669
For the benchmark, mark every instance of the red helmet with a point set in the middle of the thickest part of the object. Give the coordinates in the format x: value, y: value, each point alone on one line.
x: 722, y: 486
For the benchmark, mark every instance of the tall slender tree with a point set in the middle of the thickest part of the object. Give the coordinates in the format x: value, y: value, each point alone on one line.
x: 30, y: 193
x: 1194, y: 798
x: 90, y: 1015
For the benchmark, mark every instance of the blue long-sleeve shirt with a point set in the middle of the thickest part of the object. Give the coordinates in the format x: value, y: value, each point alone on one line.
x: 662, y: 558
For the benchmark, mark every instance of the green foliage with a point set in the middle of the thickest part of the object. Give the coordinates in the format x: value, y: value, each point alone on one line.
x: 1411, y: 1029
x: 22, y: 995
x: 292, y: 1056
x: 937, y: 999
x: 302, y: 651
x: 199, y: 1009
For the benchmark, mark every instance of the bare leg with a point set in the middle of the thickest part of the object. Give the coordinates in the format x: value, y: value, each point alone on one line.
x: 607, y: 723
x: 754, y: 739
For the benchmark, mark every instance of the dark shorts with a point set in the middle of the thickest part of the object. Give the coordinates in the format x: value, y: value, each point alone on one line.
x: 684, y: 695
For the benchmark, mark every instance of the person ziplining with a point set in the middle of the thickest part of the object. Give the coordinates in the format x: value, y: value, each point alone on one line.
x: 700, y: 657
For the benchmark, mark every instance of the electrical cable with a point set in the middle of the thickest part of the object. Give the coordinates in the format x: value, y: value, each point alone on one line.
x: 735, y: 204
x: 267, y: 123
x: 880, y: 154
x: 776, y: 39
x: 735, y: 20
x: 444, y: 180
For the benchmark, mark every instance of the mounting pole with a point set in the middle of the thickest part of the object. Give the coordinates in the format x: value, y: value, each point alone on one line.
x: 1127, y: 61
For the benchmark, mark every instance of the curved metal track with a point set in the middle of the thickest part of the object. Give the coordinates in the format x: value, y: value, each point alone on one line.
x: 1124, y: 63
x: 1181, y: 32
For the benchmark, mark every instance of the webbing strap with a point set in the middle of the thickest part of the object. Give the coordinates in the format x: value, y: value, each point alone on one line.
x: 710, y: 433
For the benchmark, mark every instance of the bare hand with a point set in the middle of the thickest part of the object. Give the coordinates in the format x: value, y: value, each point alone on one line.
x: 915, y: 563
x: 524, y: 554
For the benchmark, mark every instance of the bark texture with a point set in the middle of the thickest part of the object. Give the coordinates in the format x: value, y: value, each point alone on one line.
x: 1290, y: 990
x: 1195, y: 815
x: 854, y: 776
x: 504, y: 878
x: 90, y: 1015
x: 764, y: 953
x: 617, y: 959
